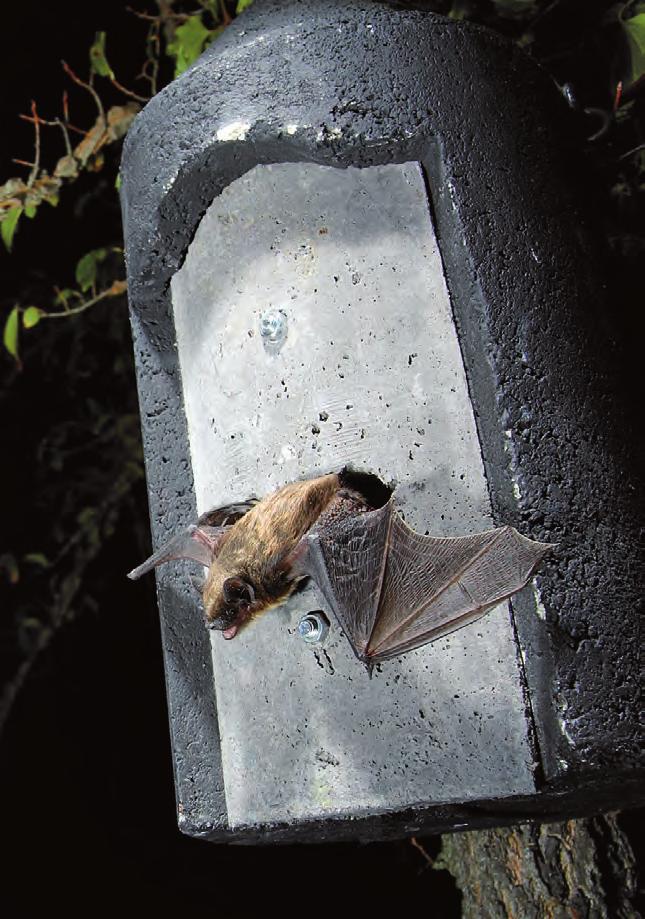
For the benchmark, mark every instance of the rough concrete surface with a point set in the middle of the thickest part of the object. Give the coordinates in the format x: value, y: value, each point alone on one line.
x: 369, y: 372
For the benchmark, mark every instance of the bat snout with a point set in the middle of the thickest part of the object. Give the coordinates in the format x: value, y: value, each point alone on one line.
x: 229, y: 621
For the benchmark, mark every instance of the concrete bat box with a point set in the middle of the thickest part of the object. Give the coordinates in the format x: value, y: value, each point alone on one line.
x: 375, y: 258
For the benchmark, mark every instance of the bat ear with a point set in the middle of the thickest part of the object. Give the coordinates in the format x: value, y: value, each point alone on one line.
x: 226, y: 515
x: 198, y: 543
x: 297, y: 562
x: 237, y: 590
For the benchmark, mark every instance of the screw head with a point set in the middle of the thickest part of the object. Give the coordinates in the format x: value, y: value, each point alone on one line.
x: 313, y: 628
x: 273, y: 325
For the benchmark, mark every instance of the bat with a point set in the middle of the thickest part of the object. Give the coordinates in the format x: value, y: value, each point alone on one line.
x: 390, y: 588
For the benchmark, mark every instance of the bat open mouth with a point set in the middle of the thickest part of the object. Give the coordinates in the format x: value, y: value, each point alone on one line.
x: 226, y: 627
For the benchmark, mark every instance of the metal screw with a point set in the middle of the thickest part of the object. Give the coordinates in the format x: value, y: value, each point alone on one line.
x: 273, y: 325
x: 313, y: 628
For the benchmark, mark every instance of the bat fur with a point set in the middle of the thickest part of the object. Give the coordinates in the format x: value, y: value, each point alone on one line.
x: 254, y: 568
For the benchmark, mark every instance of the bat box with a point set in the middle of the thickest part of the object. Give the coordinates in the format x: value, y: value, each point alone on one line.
x: 351, y: 237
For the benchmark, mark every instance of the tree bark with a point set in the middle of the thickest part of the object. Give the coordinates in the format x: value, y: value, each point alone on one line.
x: 580, y: 869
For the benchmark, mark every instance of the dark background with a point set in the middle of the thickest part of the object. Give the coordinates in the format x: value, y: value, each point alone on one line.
x: 85, y: 766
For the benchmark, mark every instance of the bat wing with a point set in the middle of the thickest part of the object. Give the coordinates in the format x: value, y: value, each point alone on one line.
x: 393, y: 590
x: 199, y: 542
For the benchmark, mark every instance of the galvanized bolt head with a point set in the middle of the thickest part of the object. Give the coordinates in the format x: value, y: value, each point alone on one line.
x: 313, y: 628
x: 273, y: 325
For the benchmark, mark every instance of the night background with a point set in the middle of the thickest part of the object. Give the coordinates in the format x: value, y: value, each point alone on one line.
x: 85, y: 763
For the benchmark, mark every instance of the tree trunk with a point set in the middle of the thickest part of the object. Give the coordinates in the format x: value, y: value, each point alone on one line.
x: 581, y: 869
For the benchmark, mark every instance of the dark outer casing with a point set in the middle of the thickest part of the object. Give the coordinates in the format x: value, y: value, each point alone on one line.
x: 493, y: 134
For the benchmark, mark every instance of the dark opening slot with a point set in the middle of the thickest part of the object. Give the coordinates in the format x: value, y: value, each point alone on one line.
x: 373, y: 489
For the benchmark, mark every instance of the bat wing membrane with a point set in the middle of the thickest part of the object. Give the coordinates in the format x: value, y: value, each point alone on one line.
x: 347, y: 562
x: 435, y: 585
x: 393, y: 590
x: 199, y: 543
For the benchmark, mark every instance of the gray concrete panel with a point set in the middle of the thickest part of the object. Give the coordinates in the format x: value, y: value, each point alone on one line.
x: 369, y: 372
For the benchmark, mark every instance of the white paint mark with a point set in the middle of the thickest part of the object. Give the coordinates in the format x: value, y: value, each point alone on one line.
x: 539, y: 606
x: 236, y: 130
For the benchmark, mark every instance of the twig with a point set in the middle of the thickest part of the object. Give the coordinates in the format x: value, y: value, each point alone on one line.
x: 545, y: 12
x: 56, y: 122
x: 153, y: 49
x: 68, y: 145
x: 70, y: 73
x: 153, y: 52
x: 117, y: 288
x: 148, y: 17
x: 227, y: 19
x: 33, y: 175
x: 128, y: 92
x: 417, y: 845
x: 68, y: 123
x: 631, y: 152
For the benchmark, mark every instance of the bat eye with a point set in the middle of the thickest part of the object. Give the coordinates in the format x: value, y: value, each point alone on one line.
x: 238, y: 592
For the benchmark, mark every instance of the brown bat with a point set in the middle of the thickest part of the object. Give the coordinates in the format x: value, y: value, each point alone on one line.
x: 390, y: 588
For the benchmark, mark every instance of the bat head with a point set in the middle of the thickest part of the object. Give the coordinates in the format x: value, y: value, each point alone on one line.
x: 229, y: 601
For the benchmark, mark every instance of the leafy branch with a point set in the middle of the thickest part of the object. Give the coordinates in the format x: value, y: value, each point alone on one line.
x: 180, y: 36
x: 18, y: 196
x: 73, y: 301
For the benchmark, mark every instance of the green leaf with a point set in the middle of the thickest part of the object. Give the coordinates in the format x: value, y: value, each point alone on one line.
x: 117, y: 181
x: 30, y: 210
x: 87, y: 516
x: 10, y: 337
x: 189, y: 42
x: 8, y: 226
x: 37, y: 558
x: 242, y: 5
x: 63, y: 296
x: 31, y: 317
x: 87, y: 266
x: 9, y: 565
x: 460, y: 9
x: 518, y: 8
x: 98, y: 60
x: 635, y: 32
